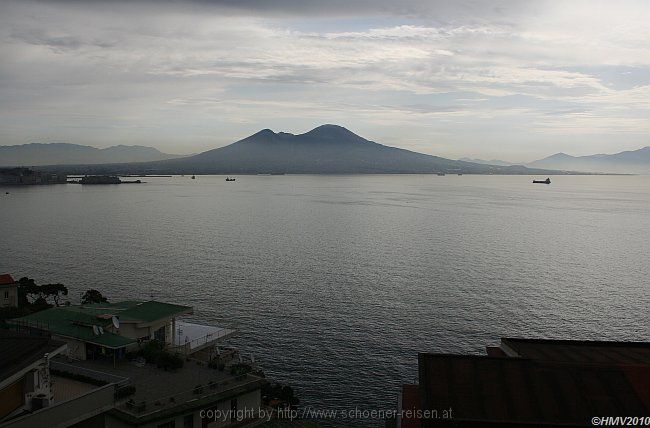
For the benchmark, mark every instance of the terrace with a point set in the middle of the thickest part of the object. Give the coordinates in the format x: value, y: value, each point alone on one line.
x: 195, y: 337
x: 159, y: 392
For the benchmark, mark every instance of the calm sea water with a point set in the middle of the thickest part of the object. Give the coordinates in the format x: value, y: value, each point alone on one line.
x: 336, y: 282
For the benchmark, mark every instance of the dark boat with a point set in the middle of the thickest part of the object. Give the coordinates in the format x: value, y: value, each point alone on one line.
x: 193, y: 177
x: 547, y: 181
x: 230, y: 179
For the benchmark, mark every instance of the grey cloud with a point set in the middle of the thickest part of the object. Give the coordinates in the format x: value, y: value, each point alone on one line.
x: 442, y: 10
x: 40, y: 37
x: 122, y: 62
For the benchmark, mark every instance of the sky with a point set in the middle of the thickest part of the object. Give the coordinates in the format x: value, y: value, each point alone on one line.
x: 500, y: 79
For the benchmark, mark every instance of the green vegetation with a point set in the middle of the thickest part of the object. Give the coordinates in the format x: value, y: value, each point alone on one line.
x: 31, y: 293
x: 278, y: 395
x: 33, y: 298
x: 92, y: 296
x: 154, y: 353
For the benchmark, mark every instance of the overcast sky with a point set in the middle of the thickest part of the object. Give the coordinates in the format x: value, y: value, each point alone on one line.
x: 509, y: 80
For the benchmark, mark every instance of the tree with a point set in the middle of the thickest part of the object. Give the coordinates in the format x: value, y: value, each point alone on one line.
x: 26, y: 287
x: 92, y: 296
x: 55, y: 291
x: 29, y: 290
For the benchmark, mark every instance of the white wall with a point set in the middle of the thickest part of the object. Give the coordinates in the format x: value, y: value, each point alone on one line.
x: 76, y: 349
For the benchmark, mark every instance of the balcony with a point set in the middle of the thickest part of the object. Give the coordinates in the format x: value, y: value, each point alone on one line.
x: 190, y: 338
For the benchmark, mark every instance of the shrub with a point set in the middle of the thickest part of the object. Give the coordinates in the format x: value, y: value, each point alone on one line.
x: 216, y: 364
x: 154, y: 353
x: 279, y: 392
x: 240, y: 369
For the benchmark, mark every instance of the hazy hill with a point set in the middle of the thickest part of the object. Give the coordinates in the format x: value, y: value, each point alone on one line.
x: 327, y: 149
x: 490, y: 162
x: 632, y: 162
x: 62, y: 153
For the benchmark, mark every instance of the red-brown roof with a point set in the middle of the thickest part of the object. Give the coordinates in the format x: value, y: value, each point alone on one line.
x: 6, y: 279
x: 486, y: 391
x: 410, y: 406
x: 580, y: 351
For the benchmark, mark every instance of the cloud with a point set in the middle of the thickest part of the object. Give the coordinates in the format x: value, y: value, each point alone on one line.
x: 174, y: 65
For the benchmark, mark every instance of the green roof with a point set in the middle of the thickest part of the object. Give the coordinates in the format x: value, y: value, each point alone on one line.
x: 134, y: 310
x: 66, y: 321
x: 78, y: 321
x: 152, y: 311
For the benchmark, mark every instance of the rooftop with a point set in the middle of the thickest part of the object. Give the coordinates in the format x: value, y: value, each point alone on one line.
x: 6, y: 279
x: 164, y: 391
x: 538, y: 383
x: 18, y: 351
x: 78, y: 321
x: 66, y: 321
x: 579, y: 351
x: 134, y: 310
x: 516, y: 390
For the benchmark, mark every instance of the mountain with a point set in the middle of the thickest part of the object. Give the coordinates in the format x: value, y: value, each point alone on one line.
x: 327, y: 149
x: 491, y: 162
x: 62, y: 153
x: 628, y: 162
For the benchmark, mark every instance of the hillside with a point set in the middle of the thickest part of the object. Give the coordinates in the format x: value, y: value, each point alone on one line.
x: 628, y: 162
x: 36, y: 154
x: 327, y: 149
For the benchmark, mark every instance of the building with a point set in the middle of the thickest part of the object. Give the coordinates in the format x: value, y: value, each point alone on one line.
x: 98, y: 336
x: 530, y: 383
x: 8, y: 291
x: 110, y: 330
x: 38, y: 391
x: 24, y: 372
x: 18, y: 176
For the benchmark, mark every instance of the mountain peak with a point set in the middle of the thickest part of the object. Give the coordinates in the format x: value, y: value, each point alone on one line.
x: 329, y: 128
x: 266, y: 132
x: 332, y: 133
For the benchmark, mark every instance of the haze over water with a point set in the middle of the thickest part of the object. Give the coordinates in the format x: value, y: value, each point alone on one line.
x: 335, y: 283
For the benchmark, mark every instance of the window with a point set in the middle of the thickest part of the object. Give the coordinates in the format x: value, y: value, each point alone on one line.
x: 6, y: 294
x: 159, y: 334
x: 188, y: 421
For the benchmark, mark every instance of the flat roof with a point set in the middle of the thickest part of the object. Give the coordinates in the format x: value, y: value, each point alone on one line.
x: 18, y: 351
x: 488, y: 390
x: 578, y: 351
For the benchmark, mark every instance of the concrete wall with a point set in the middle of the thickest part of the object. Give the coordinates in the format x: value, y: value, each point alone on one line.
x: 68, y: 412
x: 131, y: 330
x: 76, y: 349
x: 246, y: 403
x: 251, y: 400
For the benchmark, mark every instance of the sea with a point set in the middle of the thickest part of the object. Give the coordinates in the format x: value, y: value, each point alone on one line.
x: 336, y: 283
